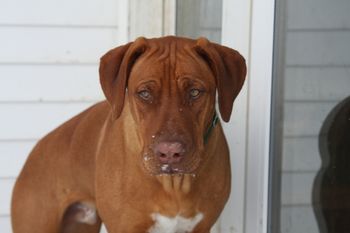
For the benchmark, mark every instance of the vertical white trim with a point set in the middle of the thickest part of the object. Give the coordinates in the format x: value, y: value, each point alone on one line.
x: 236, y: 25
x: 236, y: 34
x: 145, y: 18
x: 123, y: 21
x: 259, y: 111
x: 152, y: 18
x: 169, y: 17
x: 248, y: 26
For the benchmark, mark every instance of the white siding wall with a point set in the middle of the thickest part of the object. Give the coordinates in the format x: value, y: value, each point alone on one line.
x: 49, y: 57
x: 317, y: 77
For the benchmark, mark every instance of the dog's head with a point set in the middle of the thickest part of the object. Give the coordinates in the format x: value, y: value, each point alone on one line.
x: 171, y: 85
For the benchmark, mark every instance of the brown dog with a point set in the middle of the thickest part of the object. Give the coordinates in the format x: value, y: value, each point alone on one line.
x: 150, y: 159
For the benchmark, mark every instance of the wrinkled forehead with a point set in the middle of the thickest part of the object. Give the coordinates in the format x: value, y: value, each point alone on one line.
x: 171, y: 60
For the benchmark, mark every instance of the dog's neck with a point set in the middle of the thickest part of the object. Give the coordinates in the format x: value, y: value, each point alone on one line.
x: 212, y: 125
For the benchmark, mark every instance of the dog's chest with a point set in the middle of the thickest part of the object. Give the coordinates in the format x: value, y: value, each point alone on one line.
x: 177, y: 224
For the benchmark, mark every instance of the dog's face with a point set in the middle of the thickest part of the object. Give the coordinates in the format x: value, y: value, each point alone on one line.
x: 171, y: 84
x: 172, y: 98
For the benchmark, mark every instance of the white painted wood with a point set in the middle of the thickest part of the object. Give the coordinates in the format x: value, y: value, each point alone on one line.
x: 213, y: 34
x: 5, y: 224
x: 123, y: 20
x: 50, y: 83
x: 199, y: 18
x: 6, y: 186
x: 146, y: 18
x: 13, y: 155
x: 34, y: 120
x: 207, y: 8
x: 314, y: 48
x: 55, y: 45
x: 169, y: 17
x: 188, y: 15
x: 317, y: 84
x: 153, y: 18
x: 318, y: 14
x: 259, y: 110
x: 236, y: 34
x: 63, y: 12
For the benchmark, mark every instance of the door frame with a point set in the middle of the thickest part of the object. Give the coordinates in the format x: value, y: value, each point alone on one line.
x: 248, y: 26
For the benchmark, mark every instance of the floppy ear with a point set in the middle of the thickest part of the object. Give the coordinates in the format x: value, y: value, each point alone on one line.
x: 229, y: 69
x: 115, y: 67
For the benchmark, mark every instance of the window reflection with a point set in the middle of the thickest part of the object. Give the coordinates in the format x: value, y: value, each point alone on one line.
x: 331, y: 190
x: 310, y: 157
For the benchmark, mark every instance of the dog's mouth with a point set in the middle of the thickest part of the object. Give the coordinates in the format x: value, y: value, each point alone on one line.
x: 171, y: 169
x: 171, y: 154
x: 153, y: 166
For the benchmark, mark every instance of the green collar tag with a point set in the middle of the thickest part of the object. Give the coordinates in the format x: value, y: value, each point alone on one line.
x: 214, y: 122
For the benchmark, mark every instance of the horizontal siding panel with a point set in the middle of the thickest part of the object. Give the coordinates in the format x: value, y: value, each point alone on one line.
x: 297, y: 188
x: 305, y: 118
x: 5, y: 224
x: 317, y: 83
x: 55, y: 45
x: 6, y: 186
x: 49, y: 83
x: 13, y: 155
x: 318, y: 14
x: 318, y: 48
x: 301, y: 154
x: 298, y: 219
x: 33, y: 120
x: 64, y: 12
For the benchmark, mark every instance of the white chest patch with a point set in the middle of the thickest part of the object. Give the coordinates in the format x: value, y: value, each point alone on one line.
x: 177, y: 224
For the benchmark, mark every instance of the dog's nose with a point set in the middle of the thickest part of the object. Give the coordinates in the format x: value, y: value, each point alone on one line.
x: 169, y: 152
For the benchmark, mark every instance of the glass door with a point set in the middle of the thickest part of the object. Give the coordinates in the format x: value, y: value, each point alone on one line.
x: 199, y: 18
x: 310, y: 124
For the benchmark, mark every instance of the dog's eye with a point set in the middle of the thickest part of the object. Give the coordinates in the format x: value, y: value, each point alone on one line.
x: 194, y: 93
x: 146, y: 95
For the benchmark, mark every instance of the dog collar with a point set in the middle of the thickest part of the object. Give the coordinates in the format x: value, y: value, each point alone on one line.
x: 212, y: 125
